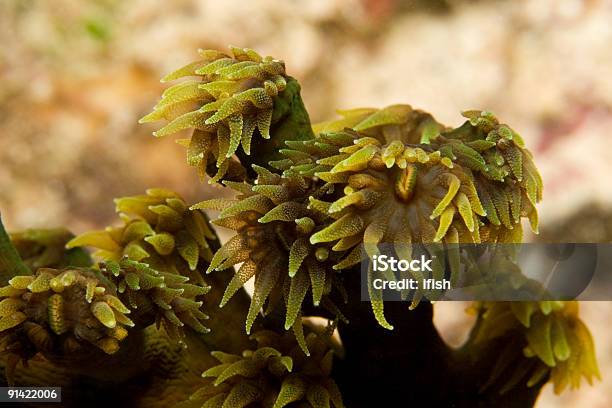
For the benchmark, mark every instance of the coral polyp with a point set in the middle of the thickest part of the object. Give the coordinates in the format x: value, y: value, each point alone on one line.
x: 165, y: 298
x: 273, y: 223
x: 553, y: 342
x: 233, y: 100
x: 276, y: 374
x: 61, y: 313
x: 156, y: 258
x: 159, y: 229
x: 507, y: 180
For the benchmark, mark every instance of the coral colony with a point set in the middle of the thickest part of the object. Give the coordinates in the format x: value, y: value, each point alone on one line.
x: 160, y: 315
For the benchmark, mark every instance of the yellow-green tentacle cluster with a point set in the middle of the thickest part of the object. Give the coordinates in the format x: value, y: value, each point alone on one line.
x: 231, y: 99
x: 395, y: 122
x: 552, y: 341
x: 391, y: 193
x: 45, y: 248
x: 158, y: 229
x: 393, y: 175
x: 405, y: 179
x: 508, y: 183
x: 156, y: 258
x: 60, y: 312
x: 507, y: 180
x: 273, y: 222
x: 167, y: 298
x: 276, y: 374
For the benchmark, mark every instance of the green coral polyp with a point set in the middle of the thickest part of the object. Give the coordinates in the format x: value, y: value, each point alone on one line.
x: 273, y: 223
x: 392, y: 122
x: 156, y: 258
x: 553, y: 342
x: 166, y: 298
x: 232, y: 99
x: 276, y: 374
x: 61, y: 313
x: 508, y: 183
x: 159, y: 229
x: 406, y: 179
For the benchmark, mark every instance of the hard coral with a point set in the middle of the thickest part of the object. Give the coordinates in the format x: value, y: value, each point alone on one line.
x: 310, y: 201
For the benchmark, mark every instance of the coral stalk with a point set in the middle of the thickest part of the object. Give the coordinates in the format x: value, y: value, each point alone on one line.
x: 10, y: 262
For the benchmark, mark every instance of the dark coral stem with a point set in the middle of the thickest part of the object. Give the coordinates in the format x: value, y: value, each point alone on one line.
x: 389, y: 367
x: 412, y: 362
x: 290, y: 121
x: 10, y: 262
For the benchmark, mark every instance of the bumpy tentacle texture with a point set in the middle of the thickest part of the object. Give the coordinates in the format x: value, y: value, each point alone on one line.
x: 397, y: 187
x: 508, y: 183
x: 393, y: 122
x: 276, y: 374
x: 159, y: 229
x: 392, y: 175
x: 406, y: 179
x: 552, y: 340
x: 45, y: 248
x: 232, y: 100
x: 60, y: 312
x: 157, y: 257
x: 166, y: 298
x: 273, y: 222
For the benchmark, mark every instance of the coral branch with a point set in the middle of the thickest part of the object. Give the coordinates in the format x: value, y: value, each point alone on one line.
x: 11, y: 263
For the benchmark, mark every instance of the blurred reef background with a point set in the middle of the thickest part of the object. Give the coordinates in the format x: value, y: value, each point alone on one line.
x: 77, y: 74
